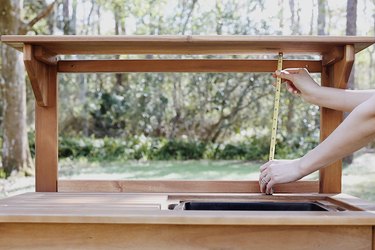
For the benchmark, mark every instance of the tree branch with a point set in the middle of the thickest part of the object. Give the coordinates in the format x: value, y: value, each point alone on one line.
x: 27, y: 26
x: 188, y: 17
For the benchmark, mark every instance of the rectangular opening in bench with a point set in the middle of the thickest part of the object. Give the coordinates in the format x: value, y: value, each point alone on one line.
x: 253, y: 206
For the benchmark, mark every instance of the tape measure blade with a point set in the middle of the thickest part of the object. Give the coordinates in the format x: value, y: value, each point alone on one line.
x: 276, y: 109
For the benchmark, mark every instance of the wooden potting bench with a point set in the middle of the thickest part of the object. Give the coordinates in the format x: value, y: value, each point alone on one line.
x: 141, y: 214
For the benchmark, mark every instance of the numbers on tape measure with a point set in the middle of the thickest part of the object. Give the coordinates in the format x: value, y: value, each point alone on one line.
x: 276, y: 108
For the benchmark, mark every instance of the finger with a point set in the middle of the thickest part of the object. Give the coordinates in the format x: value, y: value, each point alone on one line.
x: 263, y: 187
x: 291, y: 88
x: 262, y: 175
x: 293, y: 70
x: 283, y: 74
x: 264, y: 166
x: 269, y: 187
x: 288, y: 71
x: 267, y: 178
x: 284, y: 81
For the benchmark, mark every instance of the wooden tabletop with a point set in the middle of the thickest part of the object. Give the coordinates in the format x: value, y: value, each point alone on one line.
x: 127, y: 208
x: 68, y: 45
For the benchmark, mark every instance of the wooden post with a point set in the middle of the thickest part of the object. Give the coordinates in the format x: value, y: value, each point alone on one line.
x: 46, y: 137
x: 334, y: 75
x: 42, y: 70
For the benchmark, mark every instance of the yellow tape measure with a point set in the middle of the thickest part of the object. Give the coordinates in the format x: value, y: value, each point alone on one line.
x: 276, y: 108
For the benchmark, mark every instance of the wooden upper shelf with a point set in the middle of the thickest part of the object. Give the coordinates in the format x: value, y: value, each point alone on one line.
x: 71, y: 45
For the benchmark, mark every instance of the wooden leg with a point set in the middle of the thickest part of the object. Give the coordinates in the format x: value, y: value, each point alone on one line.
x: 330, y: 176
x: 46, y: 135
x: 335, y: 75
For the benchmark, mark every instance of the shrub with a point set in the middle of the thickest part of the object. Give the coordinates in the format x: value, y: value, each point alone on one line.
x: 180, y: 150
x: 147, y: 148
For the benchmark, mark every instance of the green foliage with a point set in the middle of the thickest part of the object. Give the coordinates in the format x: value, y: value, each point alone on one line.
x: 3, y: 174
x: 251, y: 149
x: 180, y: 150
x: 97, y: 110
x: 108, y: 114
x: 147, y: 148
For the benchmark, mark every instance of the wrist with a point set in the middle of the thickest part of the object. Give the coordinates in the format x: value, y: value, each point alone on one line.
x: 305, y: 166
x: 313, y: 95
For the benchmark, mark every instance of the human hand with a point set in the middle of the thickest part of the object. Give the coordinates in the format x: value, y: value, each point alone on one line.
x: 298, y: 82
x: 279, y: 171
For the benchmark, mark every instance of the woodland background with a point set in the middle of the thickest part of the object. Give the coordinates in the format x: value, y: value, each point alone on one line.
x: 151, y: 116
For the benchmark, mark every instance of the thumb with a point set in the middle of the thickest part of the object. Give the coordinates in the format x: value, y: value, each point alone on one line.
x: 284, y: 74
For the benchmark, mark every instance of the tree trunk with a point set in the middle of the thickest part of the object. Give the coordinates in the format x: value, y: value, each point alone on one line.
x: 291, y: 99
x: 351, y: 30
x: 15, y: 154
x: 322, y: 17
x: 66, y: 17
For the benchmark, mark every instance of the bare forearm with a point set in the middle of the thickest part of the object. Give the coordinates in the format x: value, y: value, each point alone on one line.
x: 339, y: 99
x: 356, y: 131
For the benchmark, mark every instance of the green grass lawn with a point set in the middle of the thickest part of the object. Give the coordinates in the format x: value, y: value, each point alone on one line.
x: 358, y: 178
x: 162, y: 170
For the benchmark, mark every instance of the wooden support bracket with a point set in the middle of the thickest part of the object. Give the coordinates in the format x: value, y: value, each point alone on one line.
x: 36, y: 61
x: 45, y: 56
x: 343, y: 67
x: 333, y: 56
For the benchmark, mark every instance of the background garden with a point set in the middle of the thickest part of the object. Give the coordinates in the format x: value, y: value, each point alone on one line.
x: 177, y: 126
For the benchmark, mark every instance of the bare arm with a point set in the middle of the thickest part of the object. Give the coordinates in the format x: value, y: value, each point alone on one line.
x: 299, y: 82
x: 340, y: 99
x: 354, y: 132
x: 357, y: 130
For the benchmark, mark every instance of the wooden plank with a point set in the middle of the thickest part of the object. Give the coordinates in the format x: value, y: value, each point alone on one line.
x: 188, y: 44
x: 35, y: 70
x: 185, y: 65
x: 107, y: 236
x: 373, y: 238
x: 154, y: 215
x: 179, y: 186
x: 335, y: 75
x: 135, y: 208
x: 353, y: 201
x: 46, y: 136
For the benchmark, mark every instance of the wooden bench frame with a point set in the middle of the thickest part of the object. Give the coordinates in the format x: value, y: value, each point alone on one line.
x: 43, y: 64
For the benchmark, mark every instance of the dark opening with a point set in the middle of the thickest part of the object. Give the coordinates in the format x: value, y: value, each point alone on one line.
x: 254, y: 206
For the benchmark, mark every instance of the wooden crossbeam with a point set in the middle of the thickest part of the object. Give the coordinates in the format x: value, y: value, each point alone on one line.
x: 185, y: 65
x: 180, y: 186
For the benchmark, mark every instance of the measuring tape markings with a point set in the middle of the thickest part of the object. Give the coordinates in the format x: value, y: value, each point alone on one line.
x: 276, y: 108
